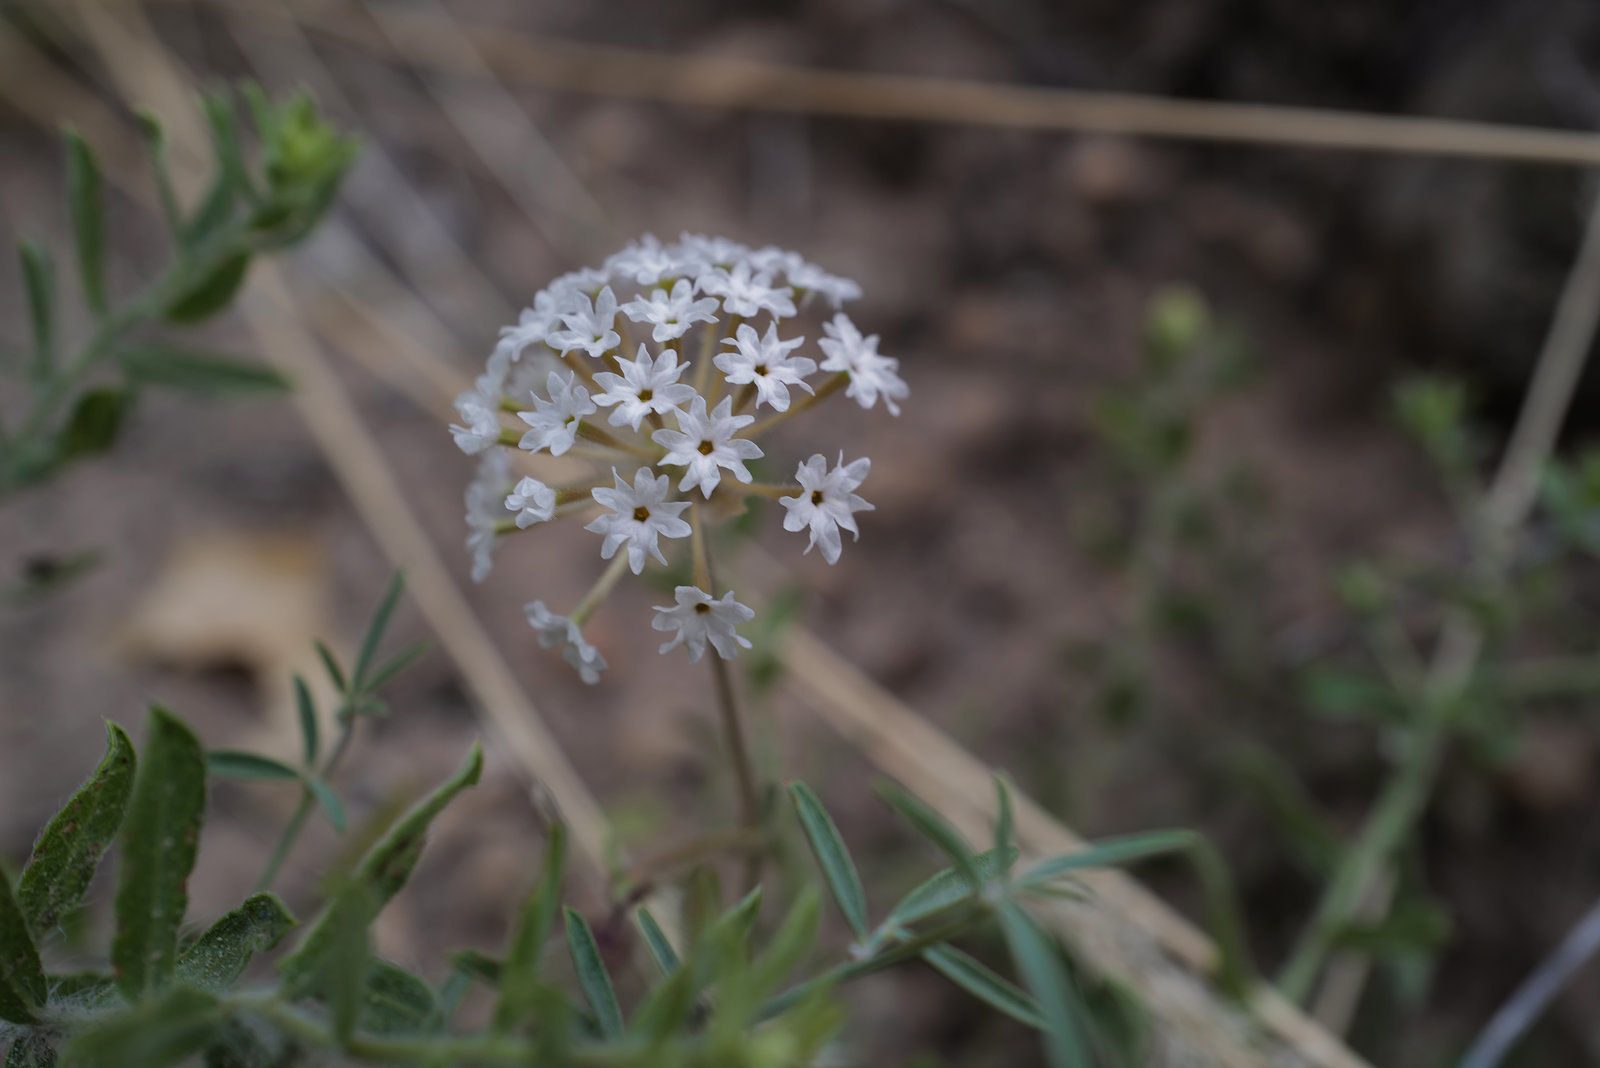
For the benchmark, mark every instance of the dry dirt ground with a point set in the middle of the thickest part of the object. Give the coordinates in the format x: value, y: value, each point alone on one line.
x: 1008, y: 271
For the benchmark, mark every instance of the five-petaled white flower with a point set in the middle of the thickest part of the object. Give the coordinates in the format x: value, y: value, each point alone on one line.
x: 870, y: 373
x: 764, y: 361
x: 672, y: 315
x: 645, y: 386
x: 645, y: 262
x: 810, y: 278
x: 588, y: 326
x: 707, y: 252
x: 554, y: 422
x: 747, y: 292
x: 641, y: 515
x: 533, y: 501
x: 826, y: 502
x: 705, y: 444
x: 699, y: 619
x: 485, y: 509
x: 481, y: 427
x: 533, y: 326
x: 557, y: 630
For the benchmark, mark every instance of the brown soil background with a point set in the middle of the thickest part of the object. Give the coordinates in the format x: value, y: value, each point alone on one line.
x: 1008, y: 271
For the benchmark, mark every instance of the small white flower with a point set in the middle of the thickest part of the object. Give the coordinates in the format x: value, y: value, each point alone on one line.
x: 644, y: 386
x: 672, y: 315
x: 746, y: 293
x: 533, y: 326
x: 645, y: 262
x: 813, y: 279
x: 699, y: 619
x: 870, y: 374
x: 557, y: 630
x: 485, y: 498
x: 826, y: 502
x: 480, y: 424
x: 705, y: 443
x: 642, y: 514
x: 533, y: 501
x: 585, y: 280
x: 765, y: 363
x: 554, y: 422
x: 705, y: 252
x: 588, y: 326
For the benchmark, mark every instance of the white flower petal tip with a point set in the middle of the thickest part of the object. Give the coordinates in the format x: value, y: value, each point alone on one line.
x: 871, y: 375
x: 704, y: 444
x: 765, y: 363
x: 640, y: 516
x: 645, y: 387
x: 553, y: 424
x: 699, y: 619
x: 826, y: 503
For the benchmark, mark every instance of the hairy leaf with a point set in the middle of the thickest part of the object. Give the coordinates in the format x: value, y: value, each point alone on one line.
x: 833, y: 856
x: 948, y: 887
x: 936, y: 828
x: 22, y: 985
x: 982, y: 983
x: 159, y: 837
x: 1046, y: 978
x: 220, y: 955
x: 31, y: 1050
x: 67, y: 853
x: 207, y: 373
x: 154, y: 1034
x: 395, y: 1002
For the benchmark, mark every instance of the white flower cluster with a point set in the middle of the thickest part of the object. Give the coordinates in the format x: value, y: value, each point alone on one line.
x: 684, y: 346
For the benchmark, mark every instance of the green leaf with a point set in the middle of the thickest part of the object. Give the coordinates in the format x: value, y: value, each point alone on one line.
x: 1310, y: 834
x: 519, y: 978
x: 936, y: 828
x: 661, y: 950
x: 154, y: 1034
x: 88, y: 220
x: 399, y: 663
x: 984, y: 984
x: 328, y: 800
x: 39, y: 282
x: 93, y: 425
x: 341, y: 971
x: 790, y: 946
x: 1005, y: 829
x: 395, y: 1002
x: 380, y: 875
x: 31, y: 1050
x: 212, y: 291
x: 592, y: 977
x: 1045, y: 977
x: 68, y: 852
x: 1107, y: 853
x: 310, y: 736
x: 833, y: 856
x: 479, y: 965
x: 220, y: 955
x: 155, y: 140
x: 237, y: 764
x: 375, y: 629
x: 332, y: 667
x: 948, y: 887
x: 159, y: 837
x: 207, y: 373
x: 229, y: 181
x: 22, y: 986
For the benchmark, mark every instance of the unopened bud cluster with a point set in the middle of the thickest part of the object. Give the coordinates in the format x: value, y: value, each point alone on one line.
x: 665, y: 366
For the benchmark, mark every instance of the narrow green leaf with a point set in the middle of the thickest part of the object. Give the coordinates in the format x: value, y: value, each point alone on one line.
x: 790, y: 946
x: 22, y: 986
x: 93, y: 425
x: 88, y: 220
x: 1005, y: 831
x: 655, y: 938
x: 159, y: 837
x: 520, y: 976
x: 332, y: 666
x: 592, y: 977
x: 207, y: 373
x: 936, y: 828
x: 310, y: 735
x: 833, y: 856
x: 1107, y: 853
x: 341, y: 972
x: 948, y: 887
x: 210, y: 292
x: 220, y: 955
x: 67, y: 853
x: 39, y: 282
x: 1046, y: 978
x: 395, y: 1001
x: 397, y: 664
x: 237, y: 764
x: 155, y: 140
x: 375, y: 629
x: 984, y: 984
x: 380, y: 875
x: 227, y: 184
x: 479, y: 965
x: 667, y: 1009
x: 328, y: 800
x: 155, y: 1034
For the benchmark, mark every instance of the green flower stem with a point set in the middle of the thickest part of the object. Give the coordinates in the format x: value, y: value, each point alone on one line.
x: 855, y: 969
x: 744, y: 772
x: 604, y: 437
x: 824, y: 391
x: 308, y: 802
x: 600, y: 590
